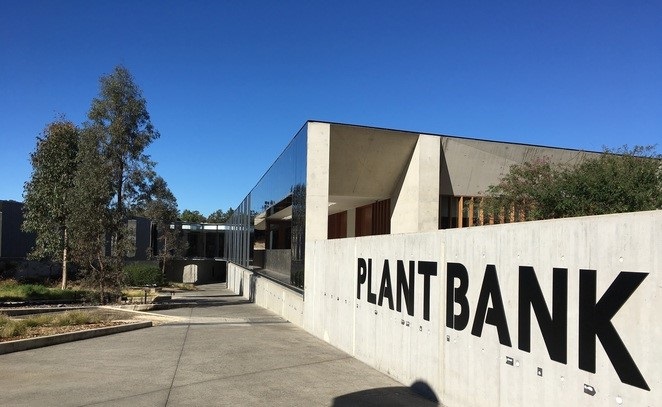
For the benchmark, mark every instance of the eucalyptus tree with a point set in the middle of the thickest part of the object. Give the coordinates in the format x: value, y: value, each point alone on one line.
x: 48, y: 194
x: 91, y: 218
x: 120, y: 121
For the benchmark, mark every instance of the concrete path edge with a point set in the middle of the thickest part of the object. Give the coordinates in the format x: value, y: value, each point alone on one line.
x: 40, y: 342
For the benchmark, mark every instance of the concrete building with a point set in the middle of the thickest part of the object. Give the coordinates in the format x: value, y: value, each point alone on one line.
x: 366, y: 238
x: 201, y: 263
x: 204, y: 240
x: 14, y: 243
x: 338, y: 181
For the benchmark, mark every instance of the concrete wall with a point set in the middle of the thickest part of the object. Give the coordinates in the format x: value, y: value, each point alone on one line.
x: 477, y: 353
x: 266, y: 293
x: 402, y: 345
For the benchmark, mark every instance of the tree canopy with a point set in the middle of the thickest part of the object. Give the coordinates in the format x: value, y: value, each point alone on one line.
x: 92, y: 219
x: 86, y: 182
x: 123, y: 130
x: 621, y: 180
x: 49, y: 192
x: 192, y: 216
x: 220, y: 216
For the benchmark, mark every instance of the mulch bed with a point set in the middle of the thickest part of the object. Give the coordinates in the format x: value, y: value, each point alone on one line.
x: 35, y: 332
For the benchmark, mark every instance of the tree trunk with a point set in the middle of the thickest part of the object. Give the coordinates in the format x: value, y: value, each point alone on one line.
x: 120, y: 184
x: 120, y: 211
x: 165, y: 254
x: 64, y: 260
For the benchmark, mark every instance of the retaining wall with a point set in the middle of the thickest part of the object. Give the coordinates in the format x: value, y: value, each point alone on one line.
x: 536, y: 313
x: 266, y: 293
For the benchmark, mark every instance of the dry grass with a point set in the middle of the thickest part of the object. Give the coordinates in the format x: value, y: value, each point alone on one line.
x: 14, y: 328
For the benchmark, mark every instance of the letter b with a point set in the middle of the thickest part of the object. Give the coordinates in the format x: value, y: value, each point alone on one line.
x: 457, y: 295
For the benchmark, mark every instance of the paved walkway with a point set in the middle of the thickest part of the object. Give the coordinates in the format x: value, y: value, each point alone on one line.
x: 223, y: 351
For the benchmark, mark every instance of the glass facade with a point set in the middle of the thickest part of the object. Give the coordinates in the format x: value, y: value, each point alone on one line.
x: 267, y: 229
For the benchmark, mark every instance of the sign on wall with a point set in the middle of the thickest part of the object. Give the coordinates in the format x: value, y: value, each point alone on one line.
x: 569, y: 307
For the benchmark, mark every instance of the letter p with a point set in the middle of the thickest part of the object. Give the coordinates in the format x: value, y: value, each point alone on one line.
x: 362, y: 273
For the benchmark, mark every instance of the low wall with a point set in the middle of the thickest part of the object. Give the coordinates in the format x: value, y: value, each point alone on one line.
x: 266, y: 293
x: 33, y: 270
x: 560, y: 312
x: 537, y: 313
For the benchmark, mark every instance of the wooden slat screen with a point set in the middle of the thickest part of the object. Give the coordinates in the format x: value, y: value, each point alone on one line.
x: 374, y: 219
x: 338, y: 225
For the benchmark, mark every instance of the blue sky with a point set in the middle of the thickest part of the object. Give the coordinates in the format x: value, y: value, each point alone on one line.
x: 228, y: 84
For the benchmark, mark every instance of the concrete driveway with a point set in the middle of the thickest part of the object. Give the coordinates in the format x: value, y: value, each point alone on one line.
x: 223, y: 351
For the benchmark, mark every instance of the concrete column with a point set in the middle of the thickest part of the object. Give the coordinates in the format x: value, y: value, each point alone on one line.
x: 415, y: 204
x: 317, y: 181
x: 317, y: 208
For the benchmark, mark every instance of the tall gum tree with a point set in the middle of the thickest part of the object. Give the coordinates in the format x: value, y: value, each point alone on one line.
x: 91, y: 218
x: 49, y: 192
x: 120, y: 120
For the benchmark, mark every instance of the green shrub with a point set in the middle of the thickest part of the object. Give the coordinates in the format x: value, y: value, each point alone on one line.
x: 10, y: 290
x: 139, y: 274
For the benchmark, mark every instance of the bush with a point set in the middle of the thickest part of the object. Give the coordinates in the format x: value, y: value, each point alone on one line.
x: 139, y: 274
x: 7, y: 269
x: 621, y: 180
x: 11, y: 290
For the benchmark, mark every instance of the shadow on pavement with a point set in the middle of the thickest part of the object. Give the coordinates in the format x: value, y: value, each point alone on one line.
x: 187, y: 295
x: 191, y: 301
x: 419, y: 394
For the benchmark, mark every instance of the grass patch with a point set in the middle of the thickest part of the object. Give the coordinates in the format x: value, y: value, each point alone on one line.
x: 183, y: 286
x: 10, y: 328
x: 11, y: 290
x: 135, y: 292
